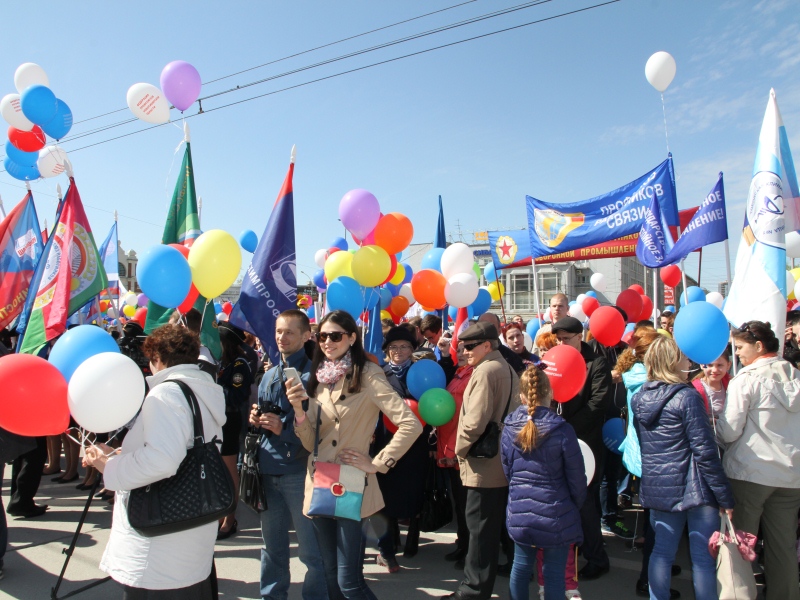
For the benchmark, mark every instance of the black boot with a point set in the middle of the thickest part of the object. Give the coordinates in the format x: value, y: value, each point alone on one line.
x: 412, y: 538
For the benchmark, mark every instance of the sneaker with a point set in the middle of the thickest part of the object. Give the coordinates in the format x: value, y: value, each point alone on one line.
x: 618, y: 529
x: 573, y: 595
x: 624, y: 501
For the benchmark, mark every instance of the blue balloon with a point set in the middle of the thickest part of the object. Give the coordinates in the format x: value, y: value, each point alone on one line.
x: 433, y: 259
x: 670, y: 309
x: 614, y: 434
x: 629, y: 327
x: 592, y: 293
x: 164, y: 275
x: 217, y: 307
x: 60, y: 125
x: 695, y: 294
x: 571, y: 302
x: 339, y: 243
x: 371, y: 297
x: 701, y: 332
x: 533, y: 328
x: 386, y: 298
x: 344, y: 293
x: 248, y: 240
x: 319, y: 279
x: 489, y: 273
x: 39, y: 104
x: 78, y: 344
x: 452, y: 313
x: 394, y: 290
x: 423, y: 376
x: 311, y: 312
x: 482, y: 302
x: 21, y: 157
x: 21, y: 172
x: 409, y: 273
x: 114, y: 322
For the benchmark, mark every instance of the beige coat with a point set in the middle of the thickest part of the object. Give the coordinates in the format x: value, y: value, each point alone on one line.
x: 349, y: 420
x: 492, y: 383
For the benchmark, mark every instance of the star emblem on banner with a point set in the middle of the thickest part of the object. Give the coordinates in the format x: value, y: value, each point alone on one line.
x: 506, y: 249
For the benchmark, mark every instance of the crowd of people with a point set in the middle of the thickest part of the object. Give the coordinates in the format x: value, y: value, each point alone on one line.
x: 701, y: 442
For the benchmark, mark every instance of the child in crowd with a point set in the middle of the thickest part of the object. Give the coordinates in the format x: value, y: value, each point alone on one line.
x: 713, y: 383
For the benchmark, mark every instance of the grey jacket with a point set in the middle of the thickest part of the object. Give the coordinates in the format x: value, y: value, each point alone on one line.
x: 760, y: 424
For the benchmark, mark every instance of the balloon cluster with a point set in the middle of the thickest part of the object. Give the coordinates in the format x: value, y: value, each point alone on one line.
x: 34, y: 113
x: 173, y: 276
x: 449, y: 276
x: 431, y: 403
x: 181, y: 85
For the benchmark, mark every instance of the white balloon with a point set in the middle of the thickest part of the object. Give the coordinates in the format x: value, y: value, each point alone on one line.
x: 790, y: 281
x: 588, y: 460
x: 528, y: 341
x: 148, y: 103
x: 457, y: 258
x: 11, y: 110
x: 132, y: 300
x: 598, y: 282
x: 405, y: 292
x: 656, y: 313
x: 580, y: 298
x: 716, y: 298
x: 792, y: 243
x: 28, y: 74
x: 105, y: 392
x: 796, y: 289
x: 221, y: 316
x: 547, y: 316
x: 111, y: 313
x: 461, y: 289
x: 660, y: 70
x: 576, y: 311
x: 320, y: 256
x: 51, y: 161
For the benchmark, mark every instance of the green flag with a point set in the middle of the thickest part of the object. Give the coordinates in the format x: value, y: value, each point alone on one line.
x: 183, y: 227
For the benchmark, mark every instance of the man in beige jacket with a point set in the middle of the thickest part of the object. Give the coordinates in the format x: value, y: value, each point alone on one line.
x: 492, y: 392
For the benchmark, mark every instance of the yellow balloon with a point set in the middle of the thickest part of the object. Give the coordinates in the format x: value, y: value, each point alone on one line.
x: 795, y: 273
x: 664, y: 332
x: 496, y: 290
x: 129, y: 310
x: 215, y: 260
x: 399, y: 275
x: 371, y: 266
x: 338, y: 265
x: 385, y: 315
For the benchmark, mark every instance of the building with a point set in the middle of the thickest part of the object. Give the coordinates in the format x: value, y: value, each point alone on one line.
x: 128, y: 263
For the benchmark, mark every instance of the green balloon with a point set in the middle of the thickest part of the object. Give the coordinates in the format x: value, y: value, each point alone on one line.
x: 477, y: 269
x: 437, y: 407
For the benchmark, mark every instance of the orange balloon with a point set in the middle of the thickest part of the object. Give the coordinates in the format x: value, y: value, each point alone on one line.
x: 398, y: 306
x: 427, y: 286
x: 393, y: 232
x: 103, y: 305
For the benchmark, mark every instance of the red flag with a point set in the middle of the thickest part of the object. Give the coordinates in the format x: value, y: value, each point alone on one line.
x: 462, y: 322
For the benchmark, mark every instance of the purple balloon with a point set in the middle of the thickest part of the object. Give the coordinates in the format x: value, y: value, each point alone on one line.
x: 181, y: 84
x: 359, y: 212
x: 142, y: 300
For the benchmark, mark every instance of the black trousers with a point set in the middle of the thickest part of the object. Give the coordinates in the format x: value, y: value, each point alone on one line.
x: 485, y: 523
x: 460, y: 501
x: 26, y: 474
x: 205, y: 590
x: 592, y: 547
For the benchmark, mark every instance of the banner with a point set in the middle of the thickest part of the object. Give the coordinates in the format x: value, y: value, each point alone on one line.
x: 109, y: 254
x: 20, y: 248
x: 654, y: 238
x: 555, y: 227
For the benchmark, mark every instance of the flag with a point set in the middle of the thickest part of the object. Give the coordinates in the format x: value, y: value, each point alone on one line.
x: 20, y: 248
x: 373, y: 341
x: 708, y: 226
x: 758, y: 291
x: 69, y: 274
x: 654, y: 238
x: 440, y: 237
x: 555, y: 227
x: 270, y: 284
x: 183, y: 227
x: 462, y: 322
x: 109, y: 254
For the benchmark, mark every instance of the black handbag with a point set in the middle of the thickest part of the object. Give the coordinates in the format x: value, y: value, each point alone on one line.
x: 201, y: 492
x: 437, y: 509
x: 251, y: 491
x: 488, y: 444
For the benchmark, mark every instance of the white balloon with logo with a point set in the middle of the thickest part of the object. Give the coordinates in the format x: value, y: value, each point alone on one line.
x: 148, y: 103
x: 11, y: 110
x: 52, y: 161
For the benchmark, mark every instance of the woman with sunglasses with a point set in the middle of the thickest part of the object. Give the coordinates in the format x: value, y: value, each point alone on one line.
x: 760, y: 428
x: 346, y: 393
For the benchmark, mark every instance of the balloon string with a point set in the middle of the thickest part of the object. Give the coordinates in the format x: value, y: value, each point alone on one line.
x: 664, y: 111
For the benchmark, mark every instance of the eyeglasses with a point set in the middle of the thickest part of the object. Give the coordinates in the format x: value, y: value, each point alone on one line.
x: 566, y: 338
x: 334, y: 336
x: 402, y: 348
x: 473, y: 345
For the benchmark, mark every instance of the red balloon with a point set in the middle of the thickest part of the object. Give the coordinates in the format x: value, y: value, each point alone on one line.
x: 414, y: 406
x: 670, y: 275
x: 34, y: 398
x: 566, y: 370
x: 647, y: 308
x: 392, y: 268
x: 182, y: 249
x: 227, y: 308
x: 333, y: 249
x: 188, y: 302
x: 589, y: 305
x: 140, y: 316
x: 637, y: 288
x: 27, y: 141
x: 631, y: 302
x: 607, y: 325
x: 390, y: 427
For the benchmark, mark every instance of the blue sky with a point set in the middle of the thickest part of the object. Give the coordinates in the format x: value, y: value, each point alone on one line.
x: 559, y: 110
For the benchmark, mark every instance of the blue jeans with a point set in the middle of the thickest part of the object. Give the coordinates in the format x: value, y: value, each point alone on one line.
x: 342, y: 546
x: 703, y: 521
x: 285, y: 501
x: 553, y: 568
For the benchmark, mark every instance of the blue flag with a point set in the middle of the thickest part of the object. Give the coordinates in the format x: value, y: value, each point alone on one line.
x: 708, y: 226
x: 654, y: 237
x: 20, y: 249
x: 555, y: 227
x: 440, y: 237
x: 270, y: 284
x: 374, y: 337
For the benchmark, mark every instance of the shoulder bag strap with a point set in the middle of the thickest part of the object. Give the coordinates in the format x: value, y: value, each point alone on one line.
x: 197, y: 418
x: 316, y: 433
x: 510, y: 393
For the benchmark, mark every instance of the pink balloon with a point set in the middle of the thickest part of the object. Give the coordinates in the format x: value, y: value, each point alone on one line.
x: 181, y: 84
x: 359, y: 211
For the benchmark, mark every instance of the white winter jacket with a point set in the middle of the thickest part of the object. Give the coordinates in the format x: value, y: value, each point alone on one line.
x: 153, y: 450
x: 760, y: 424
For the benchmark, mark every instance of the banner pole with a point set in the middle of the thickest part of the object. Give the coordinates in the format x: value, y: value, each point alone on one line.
x: 655, y: 298
x: 536, y: 292
x: 728, y: 267
x: 502, y: 300
x: 2, y: 208
x: 699, y: 267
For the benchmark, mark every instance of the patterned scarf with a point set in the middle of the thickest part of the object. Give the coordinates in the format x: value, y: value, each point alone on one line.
x: 400, y: 370
x: 331, y: 371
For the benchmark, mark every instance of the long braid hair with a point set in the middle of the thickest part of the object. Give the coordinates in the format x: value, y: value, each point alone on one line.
x: 535, y: 387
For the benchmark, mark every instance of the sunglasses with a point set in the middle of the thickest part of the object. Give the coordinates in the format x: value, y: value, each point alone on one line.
x: 334, y: 336
x: 473, y: 345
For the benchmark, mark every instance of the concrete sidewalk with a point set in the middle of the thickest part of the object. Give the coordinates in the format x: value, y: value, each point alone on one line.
x: 34, y: 558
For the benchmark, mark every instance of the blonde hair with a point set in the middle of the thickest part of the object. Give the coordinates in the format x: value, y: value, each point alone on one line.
x: 535, y: 386
x: 662, y: 361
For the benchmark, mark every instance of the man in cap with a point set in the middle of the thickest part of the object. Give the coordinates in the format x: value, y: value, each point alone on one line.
x: 492, y: 392
x: 586, y: 413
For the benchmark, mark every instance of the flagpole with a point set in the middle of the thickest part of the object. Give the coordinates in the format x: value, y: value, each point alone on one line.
x: 655, y: 298
x: 536, y: 292
x: 2, y: 208
x: 700, y: 267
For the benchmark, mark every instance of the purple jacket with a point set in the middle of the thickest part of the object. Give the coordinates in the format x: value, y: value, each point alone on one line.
x: 547, y: 486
